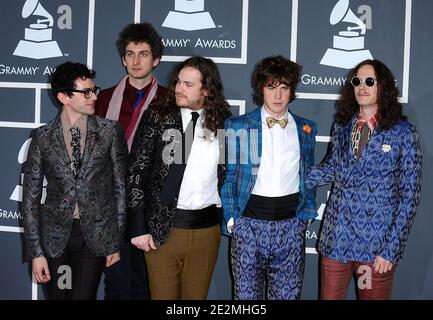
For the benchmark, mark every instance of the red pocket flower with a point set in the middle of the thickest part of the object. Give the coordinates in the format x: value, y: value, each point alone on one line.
x: 307, y: 129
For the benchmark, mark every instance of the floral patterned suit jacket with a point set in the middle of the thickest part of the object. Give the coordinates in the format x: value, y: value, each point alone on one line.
x: 157, y: 139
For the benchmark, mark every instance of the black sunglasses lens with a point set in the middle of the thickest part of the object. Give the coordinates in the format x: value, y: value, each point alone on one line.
x: 369, y: 82
x: 356, y: 81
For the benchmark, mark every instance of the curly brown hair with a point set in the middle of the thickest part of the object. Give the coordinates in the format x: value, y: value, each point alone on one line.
x: 390, y: 110
x: 216, y: 108
x: 137, y: 33
x: 274, y: 70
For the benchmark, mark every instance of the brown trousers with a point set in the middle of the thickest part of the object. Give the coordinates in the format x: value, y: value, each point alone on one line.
x: 181, y: 268
x: 335, y: 277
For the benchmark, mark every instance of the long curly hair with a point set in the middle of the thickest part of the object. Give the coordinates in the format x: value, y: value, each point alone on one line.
x: 274, y: 70
x: 216, y: 108
x: 390, y: 110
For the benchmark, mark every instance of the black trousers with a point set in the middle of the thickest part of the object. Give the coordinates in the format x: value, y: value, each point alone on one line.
x: 127, y: 279
x: 76, y: 274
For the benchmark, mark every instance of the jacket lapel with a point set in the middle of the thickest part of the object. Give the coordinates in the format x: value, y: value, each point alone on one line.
x: 370, y: 149
x: 301, y: 134
x: 177, y: 118
x: 254, y: 124
x: 172, y: 121
x: 92, y: 136
x: 343, y: 146
x: 347, y: 139
x: 251, y: 143
x: 374, y: 144
x: 59, y: 141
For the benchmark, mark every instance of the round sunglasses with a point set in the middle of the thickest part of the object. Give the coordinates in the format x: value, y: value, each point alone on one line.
x: 369, y: 82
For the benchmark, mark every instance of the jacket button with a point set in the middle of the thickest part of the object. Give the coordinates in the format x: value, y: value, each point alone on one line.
x: 370, y: 213
x: 370, y: 189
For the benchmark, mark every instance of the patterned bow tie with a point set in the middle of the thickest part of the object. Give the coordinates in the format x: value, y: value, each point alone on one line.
x: 271, y: 121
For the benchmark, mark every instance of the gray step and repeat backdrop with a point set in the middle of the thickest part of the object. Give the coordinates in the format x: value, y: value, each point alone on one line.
x: 327, y: 37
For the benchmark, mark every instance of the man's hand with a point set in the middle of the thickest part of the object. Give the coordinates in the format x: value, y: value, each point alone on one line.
x: 381, y: 265
x: 40, y: 269
x: 144, y: 242
x: 112, y: 259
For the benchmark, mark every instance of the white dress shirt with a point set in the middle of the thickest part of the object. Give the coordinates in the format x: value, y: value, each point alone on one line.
x: 199, y: 187
x: 278, y: 173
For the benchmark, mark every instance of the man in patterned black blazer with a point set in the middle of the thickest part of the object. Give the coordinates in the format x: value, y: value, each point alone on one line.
x: 75, y: 233
x: 173, y: 205
x: 140, y: 48
x: 266, y: 205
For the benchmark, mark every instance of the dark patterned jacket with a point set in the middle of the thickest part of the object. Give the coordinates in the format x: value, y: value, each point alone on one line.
x: 147, y: 174
x: 99, y: 189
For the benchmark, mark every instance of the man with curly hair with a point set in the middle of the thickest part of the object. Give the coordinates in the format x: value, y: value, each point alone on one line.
x: 266, y: 206
x: 173, y: 183
x: 140, y: 49
x: 374, y: 162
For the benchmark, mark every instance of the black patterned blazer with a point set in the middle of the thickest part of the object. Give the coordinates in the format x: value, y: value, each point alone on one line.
x: 156, y: 138
x: 99, y: 189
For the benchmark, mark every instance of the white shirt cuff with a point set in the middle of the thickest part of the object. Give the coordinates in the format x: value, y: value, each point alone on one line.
x: 230, y: 225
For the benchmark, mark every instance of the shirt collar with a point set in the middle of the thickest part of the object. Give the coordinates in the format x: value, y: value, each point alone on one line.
x: 186, y: 116
x: 187, y: 112
x: 372, y: 123
x: 81, y: 123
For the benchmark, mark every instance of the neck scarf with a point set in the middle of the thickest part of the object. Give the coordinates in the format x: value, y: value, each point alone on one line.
x: 116, y: 104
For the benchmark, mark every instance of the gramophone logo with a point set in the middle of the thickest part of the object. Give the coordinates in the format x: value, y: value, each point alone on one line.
x: 189, y: 15
x: 38, y: 37
x: 348, y: 46
x: 17, y: 194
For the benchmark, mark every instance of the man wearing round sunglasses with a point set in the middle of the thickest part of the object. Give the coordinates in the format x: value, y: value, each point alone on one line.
x: 75, y: 233
x: 374, y: 162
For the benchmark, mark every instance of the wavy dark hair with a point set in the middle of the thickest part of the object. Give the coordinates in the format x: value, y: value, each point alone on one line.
x: 140, y: 32
x: 390, y: 110
x: 63, y: 79
x: 274, y: 70
x: 216, y: 108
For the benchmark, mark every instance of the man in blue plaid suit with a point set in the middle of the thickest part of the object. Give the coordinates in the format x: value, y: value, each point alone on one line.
x: 266, y: 206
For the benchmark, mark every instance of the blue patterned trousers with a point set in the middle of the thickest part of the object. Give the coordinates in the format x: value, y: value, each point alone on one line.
x: 268, y: 259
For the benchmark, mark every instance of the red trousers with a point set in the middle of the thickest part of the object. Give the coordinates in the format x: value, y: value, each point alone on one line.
x: 371, y: 285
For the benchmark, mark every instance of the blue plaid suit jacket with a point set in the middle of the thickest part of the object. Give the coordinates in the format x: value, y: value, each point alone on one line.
x: 373, y: 199
x: 243, y: 160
